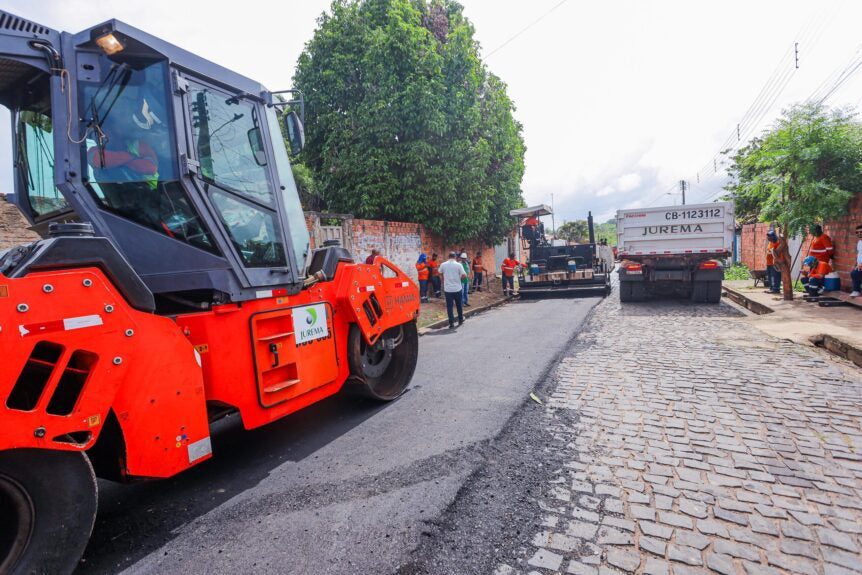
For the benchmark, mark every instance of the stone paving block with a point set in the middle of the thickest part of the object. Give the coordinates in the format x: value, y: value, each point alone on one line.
x: 736, y: 550
x: 624, y: 559
x: 722, y: 564
x: 732, y: 516
x: 611, y: 536
x: 683, y: 554
x: 655, y: 530
x: 578, y: 568
x: 546, y: 560
x: 585, y: 514
x: 675, y: 519
x: 691, y: 539
x: 693, y: 508
x: 651, y: 545
x: 582, y: 529
x: 642, y: 512
x: 837, y: 539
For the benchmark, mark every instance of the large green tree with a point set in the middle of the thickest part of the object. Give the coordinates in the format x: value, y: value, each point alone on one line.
x: 404, y: 121
x: 803, y: 171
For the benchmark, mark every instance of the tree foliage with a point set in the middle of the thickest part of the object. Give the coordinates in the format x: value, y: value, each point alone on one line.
x: 801, y: 172
x: 404, y: 122
x: 575, y: 231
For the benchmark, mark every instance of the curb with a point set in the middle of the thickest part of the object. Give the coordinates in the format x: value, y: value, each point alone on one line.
x: 838, y: 347
x: 445, y: 322
x: 830, y: 343
x: 747, y: 303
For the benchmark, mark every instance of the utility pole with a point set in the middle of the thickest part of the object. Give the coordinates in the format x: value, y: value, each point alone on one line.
x: 796, y: 54
x: 682, y: 186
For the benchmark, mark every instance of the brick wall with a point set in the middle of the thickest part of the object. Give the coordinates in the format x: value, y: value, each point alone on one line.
x: 400, y: 242
x: 842, y: 232
x: 13, y: 227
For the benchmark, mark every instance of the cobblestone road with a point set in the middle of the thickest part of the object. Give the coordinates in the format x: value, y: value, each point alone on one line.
x: 689, y: 442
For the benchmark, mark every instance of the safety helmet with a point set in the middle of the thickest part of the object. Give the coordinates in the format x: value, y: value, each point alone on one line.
x: 772, y: 236
x: 810, y: 261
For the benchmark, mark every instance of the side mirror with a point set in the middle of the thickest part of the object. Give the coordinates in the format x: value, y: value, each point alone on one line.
x: 295, y: 132
x: 256, y: 144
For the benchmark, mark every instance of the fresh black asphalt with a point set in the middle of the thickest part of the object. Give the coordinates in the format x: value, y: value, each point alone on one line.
x: 348, y: 486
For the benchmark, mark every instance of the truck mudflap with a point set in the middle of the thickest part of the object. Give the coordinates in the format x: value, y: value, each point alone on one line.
x: 74, y: 351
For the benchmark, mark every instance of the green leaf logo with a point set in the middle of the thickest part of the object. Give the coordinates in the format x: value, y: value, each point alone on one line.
x: 312, y: 316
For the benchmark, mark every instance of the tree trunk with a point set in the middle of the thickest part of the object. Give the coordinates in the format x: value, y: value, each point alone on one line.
x: 783, y: 263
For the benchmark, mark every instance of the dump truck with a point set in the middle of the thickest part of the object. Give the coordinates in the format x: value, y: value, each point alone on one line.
x: 173, y: 284
x: 674, y: 250
x: 560, y: 270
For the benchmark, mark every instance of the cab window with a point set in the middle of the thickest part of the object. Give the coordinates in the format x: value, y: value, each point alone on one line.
x: 35, y: 162
x: 227, y: 133
x: 130, y: 150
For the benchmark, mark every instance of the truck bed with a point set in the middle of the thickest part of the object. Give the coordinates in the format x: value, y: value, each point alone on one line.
x: 702, y: 229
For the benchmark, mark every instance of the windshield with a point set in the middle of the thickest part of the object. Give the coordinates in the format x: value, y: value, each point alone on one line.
x: 35, y: 162
x: 130, y: 150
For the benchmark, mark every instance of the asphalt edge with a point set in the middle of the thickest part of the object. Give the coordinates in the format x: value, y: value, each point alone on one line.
x: 543, y: 384
x: 471, y: 312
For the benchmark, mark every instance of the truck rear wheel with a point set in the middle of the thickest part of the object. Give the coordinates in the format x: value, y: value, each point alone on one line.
x: 632, y: 291
x: 706, y: 291
x: 48, y: 505
x: 713, y: 292
x: 626, y: 291
x: 382, y: 371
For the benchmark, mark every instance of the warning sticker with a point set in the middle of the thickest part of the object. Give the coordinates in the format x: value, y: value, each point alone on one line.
x: 310, y: 323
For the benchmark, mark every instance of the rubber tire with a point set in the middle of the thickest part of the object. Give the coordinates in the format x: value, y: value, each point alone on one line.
x: 625, y: 292
x: 63, y: 495
x: 394, y: 381
x: 713, y: 292
x: 699, y: 291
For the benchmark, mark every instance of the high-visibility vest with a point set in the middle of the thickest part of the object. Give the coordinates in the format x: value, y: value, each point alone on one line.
x: 821, y: 248
x: 422, y: 269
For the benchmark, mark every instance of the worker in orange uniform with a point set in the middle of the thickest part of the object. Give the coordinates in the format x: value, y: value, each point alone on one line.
x: 821, y: 246
x: 773, y: 274
x: 422, y: 272
x: 508, y: 268
x: 434, y: 269
x: 478, y: 272
x: 814, y: 274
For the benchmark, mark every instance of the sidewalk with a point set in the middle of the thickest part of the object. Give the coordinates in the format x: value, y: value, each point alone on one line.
x: 435, y: 310
x: 800, y: 321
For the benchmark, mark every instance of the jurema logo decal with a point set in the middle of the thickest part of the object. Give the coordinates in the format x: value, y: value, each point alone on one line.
x: 309, y: 323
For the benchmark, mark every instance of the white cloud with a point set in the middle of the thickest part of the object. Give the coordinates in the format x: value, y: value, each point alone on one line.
x: 628, y: 182
x: 620, y: 94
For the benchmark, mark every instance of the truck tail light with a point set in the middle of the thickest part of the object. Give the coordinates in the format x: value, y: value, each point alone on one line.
x: 708, y: 265
x: 634, y: 268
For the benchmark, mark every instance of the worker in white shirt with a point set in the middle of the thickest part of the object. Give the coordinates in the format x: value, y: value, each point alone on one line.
x: 453, y: 273
x: 856, y: 273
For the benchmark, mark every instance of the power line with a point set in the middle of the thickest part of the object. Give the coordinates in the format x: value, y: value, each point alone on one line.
x: 525, y: 28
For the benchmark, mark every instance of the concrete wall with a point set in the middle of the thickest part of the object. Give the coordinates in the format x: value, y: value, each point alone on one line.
x: 13, y: 227
x: 842, y: 232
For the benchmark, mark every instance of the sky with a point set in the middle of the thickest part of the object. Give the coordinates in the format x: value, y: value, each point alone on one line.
x: 619, y: 99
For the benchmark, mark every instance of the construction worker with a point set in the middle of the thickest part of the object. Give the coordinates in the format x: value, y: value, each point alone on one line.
x: 821, y: 245
x: 814, y: 273
x: 422, y: 273
x: 508, y: 268
x: 773, y: 275
x: 856, y: 272
x: 453, y: 273
x: 374, y: 253
x: 434, y: 269
x: 478, y: 272
x: 465, y: 281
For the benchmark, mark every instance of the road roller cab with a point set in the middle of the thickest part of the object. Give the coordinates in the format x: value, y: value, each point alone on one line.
x: 174, y: 282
